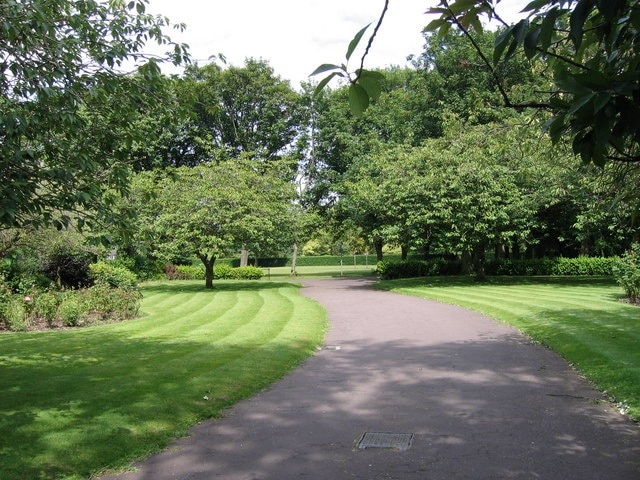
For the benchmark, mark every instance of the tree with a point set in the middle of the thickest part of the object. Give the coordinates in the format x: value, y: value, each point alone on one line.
x: 57, y: 57
x: 591, y: 50
x: 245, y: 109
x: 211, y: 210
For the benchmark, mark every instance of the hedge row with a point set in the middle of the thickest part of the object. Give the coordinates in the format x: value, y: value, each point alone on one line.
x: 392, y: 269
x: 221, y: 271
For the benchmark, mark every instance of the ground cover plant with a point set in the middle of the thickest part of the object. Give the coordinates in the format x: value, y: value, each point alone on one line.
x: 76, y: 402
x: 582, y: 319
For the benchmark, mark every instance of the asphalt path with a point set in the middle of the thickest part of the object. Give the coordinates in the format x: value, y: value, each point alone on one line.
x: 407, y: 388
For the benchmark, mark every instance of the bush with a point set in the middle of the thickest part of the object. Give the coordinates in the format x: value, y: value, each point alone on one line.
x: 14, y: 314
x: 70, y: 311
x: 247, y: 273
x: 392, y: 269
x: 189, y: 272
x: 103, y: 273
x: 111, y: 303
x: 627, y: 272
x: 222, y: 271
x: 68, y: 268
x: 46, y: 306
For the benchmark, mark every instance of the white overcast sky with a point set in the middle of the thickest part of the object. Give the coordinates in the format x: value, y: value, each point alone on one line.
x: 295, y: 36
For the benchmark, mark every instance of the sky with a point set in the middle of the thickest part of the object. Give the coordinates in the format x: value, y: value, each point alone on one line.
x: 296, y: 36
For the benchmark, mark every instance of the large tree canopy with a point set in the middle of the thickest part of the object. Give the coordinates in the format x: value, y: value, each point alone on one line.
x: 60, y: 61
x: 589, y: 49
x: 211, y: 210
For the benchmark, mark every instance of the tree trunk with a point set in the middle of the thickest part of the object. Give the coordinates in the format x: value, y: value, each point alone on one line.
x: 405, y: 252
x: 515, y: 249
x: 479, y: 257
x: 208, y: 270
x: 378, y: 244
x: 294, y: 259
x: 466, y: 262
x: 244, y: 256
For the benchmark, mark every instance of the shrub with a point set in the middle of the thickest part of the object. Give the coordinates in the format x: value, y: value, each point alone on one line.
x: 111, y: 303
x: 66, y: 268
x: 247, y: 273
x: 189, y: 272
x: 14, y: 314
x: 222, y: 271
x: 391, y: 269
x: 46, y: 306
x: 104, y: 273
x: 627, y: 272
x: 70, y: 311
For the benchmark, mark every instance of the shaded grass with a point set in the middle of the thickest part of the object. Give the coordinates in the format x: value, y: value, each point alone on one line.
x: 74, y: 403
x: 581, y: 318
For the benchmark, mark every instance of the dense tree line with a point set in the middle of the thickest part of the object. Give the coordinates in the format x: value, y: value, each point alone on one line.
x: 229, y: 158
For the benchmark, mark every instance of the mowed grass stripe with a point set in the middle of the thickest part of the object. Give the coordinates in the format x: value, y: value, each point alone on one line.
x: 581, y: 319
x: 117, y: 392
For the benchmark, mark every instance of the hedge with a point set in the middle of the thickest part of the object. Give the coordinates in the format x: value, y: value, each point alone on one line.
x: 220, y: 271
x: 596, y: 266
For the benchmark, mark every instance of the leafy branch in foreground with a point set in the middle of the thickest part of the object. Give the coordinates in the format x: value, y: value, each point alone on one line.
x: 590, y: 47
x: 365, y: 85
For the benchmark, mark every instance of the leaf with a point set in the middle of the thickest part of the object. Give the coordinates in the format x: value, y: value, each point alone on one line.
x: 325, y: 67
x: 372, y: 86
x: 548, y: 27
x: 323, y: 83
x: 535, y: 5
x: 502, y: 40
x: 358, y: 99
x: 577, y: 20
x: 356, y: 40
x: 531, y: 42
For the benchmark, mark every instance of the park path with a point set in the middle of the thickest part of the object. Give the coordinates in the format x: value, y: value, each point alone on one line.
x: 473, y: 399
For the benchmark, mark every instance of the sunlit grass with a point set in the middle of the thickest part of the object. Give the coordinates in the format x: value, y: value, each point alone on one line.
x: 75, y: 402
x: 581, y: 318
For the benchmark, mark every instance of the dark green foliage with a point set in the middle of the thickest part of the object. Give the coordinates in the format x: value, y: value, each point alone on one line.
x: 103, y: 273
x: 61, y: 63
x: 68, y: 267
x: 627, y: 272
x: 581, y: 266
x: 393, y: 269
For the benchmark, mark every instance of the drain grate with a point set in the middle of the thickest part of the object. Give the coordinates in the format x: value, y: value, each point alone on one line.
x: 393, y: 441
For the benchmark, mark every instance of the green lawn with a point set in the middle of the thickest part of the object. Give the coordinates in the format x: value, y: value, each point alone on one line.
x: 75, y: 402
x: 581, y: 318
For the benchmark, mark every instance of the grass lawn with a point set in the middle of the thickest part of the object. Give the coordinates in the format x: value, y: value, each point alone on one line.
x: 580, y: 318
x: 76, y: 402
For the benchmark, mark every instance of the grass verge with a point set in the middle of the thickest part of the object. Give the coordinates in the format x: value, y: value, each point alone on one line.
x: 74, y: 403
x: 581, y: 318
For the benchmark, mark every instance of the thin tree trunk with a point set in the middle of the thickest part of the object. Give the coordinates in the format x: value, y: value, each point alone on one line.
x: 294, y: 259
x: 378, y: 244
x: 244, y: 256
x: 405, y: 252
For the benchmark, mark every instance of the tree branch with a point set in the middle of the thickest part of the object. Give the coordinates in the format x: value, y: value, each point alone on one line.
x: 373, y: 35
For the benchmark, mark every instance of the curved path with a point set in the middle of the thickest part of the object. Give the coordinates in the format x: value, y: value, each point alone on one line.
x: 481, y: 400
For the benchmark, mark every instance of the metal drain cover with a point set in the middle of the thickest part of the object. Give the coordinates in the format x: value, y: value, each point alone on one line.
x: 393, y: 441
